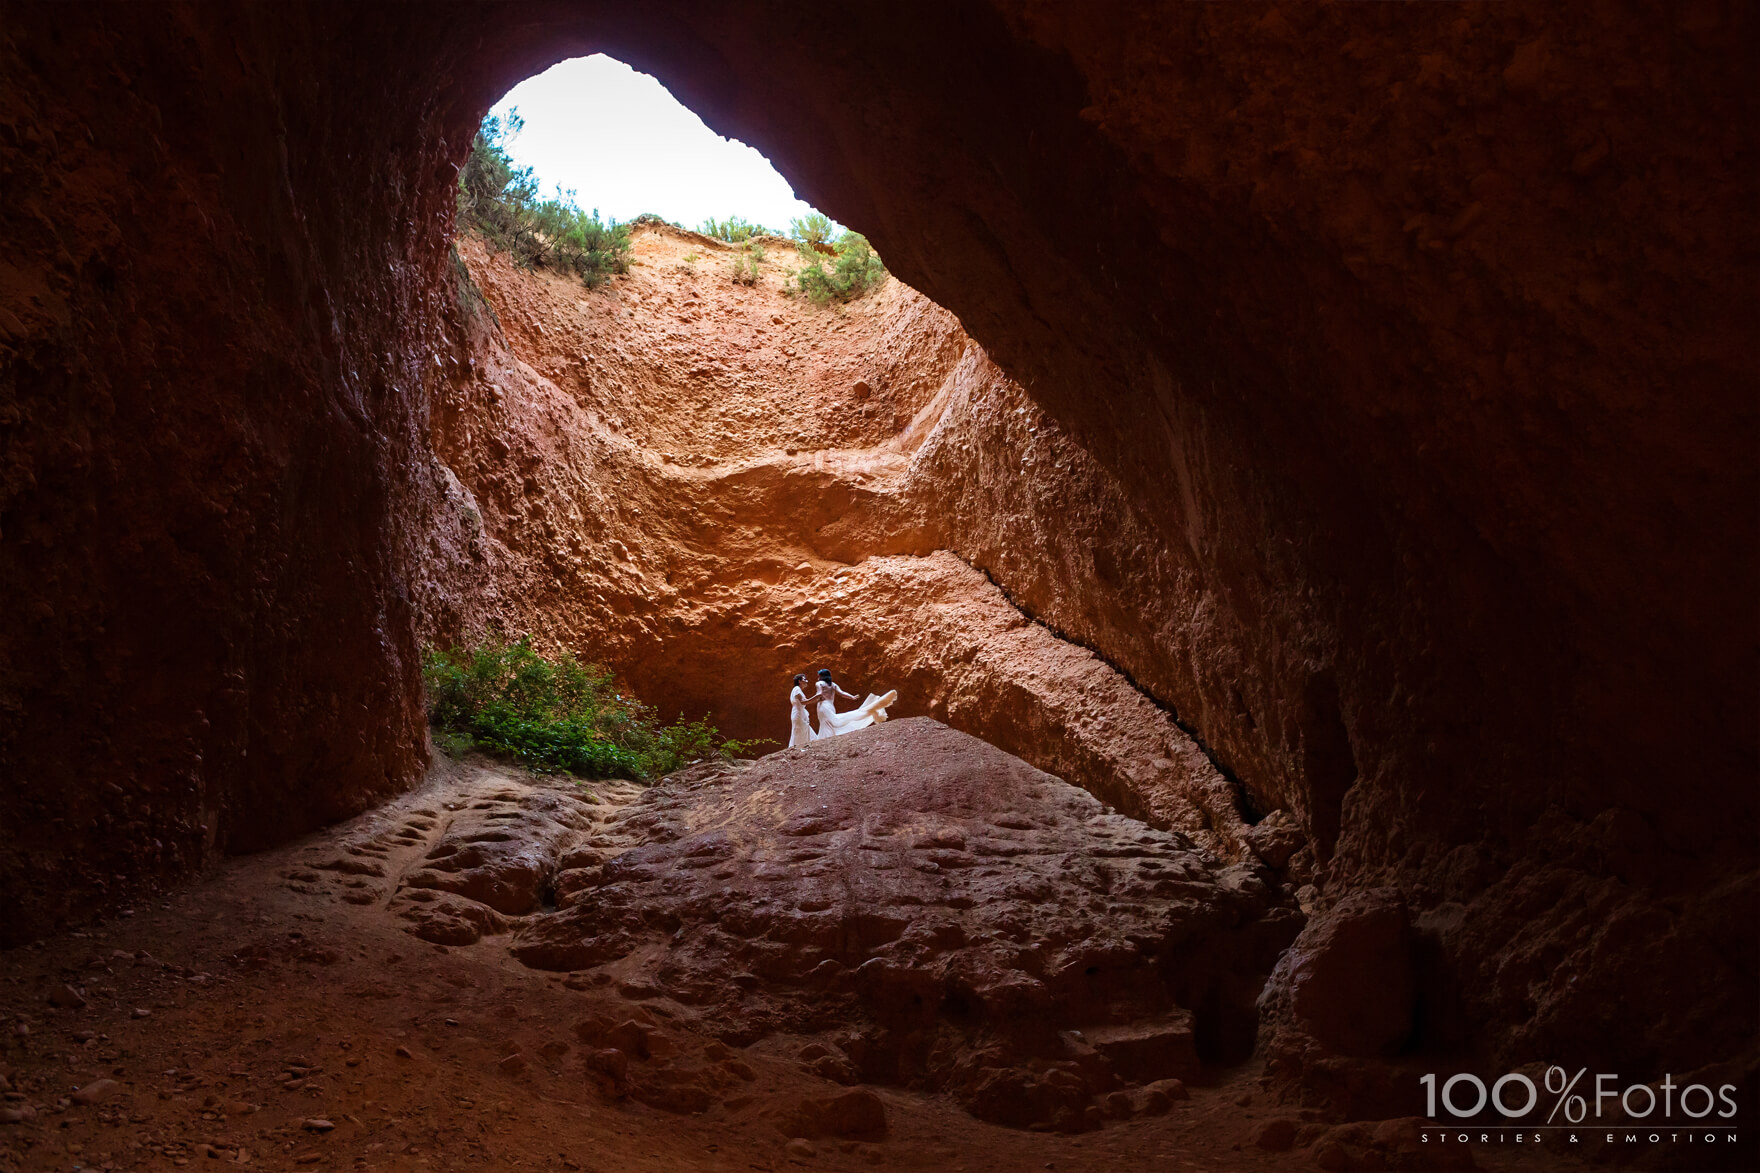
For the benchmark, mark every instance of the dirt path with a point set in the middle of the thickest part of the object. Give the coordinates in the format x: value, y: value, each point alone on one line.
x: 281, y: 1015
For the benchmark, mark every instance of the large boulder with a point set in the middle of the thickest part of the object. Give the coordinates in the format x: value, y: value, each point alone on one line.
x: 953, y: 917
x: 1350, y: 980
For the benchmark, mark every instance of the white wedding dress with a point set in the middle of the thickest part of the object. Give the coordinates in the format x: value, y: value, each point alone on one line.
x: 871, y: 711
x: 800, y: 730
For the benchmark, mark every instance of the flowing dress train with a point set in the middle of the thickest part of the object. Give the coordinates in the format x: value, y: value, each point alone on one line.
x: 871, y: 711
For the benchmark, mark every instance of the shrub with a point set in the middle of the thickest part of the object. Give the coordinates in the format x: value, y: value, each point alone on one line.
x: 734, y: 229
x: 745, y: 264
x: 812, y: 230
x: 574, y: 241
x: 855, y: 269
x: 500, y: 201
x: 556, y: 716
x: 493, y: 194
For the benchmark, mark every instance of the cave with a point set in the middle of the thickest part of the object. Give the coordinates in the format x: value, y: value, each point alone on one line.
x: 1318, y: 439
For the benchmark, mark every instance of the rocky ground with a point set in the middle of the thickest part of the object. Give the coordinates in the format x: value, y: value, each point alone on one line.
x: 902, y: 948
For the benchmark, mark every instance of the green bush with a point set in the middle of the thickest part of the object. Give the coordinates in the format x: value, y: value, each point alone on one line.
x: 854, y: 269
x: 493, y: 194
x: 572, y: 241
x: 556, y: 716
x: 746, y: 262
x: 734, y: 229
x: 811, y: 229
x: 500, y: 201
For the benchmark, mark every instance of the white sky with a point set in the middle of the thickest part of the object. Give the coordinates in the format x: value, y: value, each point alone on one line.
x: 627, y: 146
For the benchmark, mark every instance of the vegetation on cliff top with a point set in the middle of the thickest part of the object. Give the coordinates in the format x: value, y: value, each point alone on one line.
x: 734, y: 229
x: 555, y: 716
x: 850, y: 269
x: 501, y: 202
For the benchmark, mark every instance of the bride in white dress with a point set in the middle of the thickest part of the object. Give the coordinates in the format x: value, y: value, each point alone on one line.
x: 871, y: 711
x: 800, y: 730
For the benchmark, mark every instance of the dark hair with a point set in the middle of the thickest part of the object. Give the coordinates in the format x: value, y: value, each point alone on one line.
x: 824, y: 674
x: 800, y: 677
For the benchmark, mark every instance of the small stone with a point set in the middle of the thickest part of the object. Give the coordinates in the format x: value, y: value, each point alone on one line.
x: 403, y: 1053
x: 21, y: 1115
x: 317, y: 1124
x: 96, y: 1091
x: 801, y: 1148
x: 141, y: 1012
x: 66, y: 998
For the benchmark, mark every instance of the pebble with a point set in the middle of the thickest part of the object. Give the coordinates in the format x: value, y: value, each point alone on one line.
x: 403, y: 1053
x: 141, y: 1012
x: 66, y: 998
x: 317, y: 1124
x: 97, y: 1090
x: 801, y: 1147
x: 21, y: 1115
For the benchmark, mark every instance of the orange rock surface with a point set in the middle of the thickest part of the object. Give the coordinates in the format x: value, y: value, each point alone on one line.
x: 715, y: 486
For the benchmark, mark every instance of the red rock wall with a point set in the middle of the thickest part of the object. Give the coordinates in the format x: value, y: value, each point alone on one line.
x: 209, y: 354
x: 1417, y: 338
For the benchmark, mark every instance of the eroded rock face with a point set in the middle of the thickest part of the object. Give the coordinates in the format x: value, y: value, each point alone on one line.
x: 676, y: 476
x: 951, y: 917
